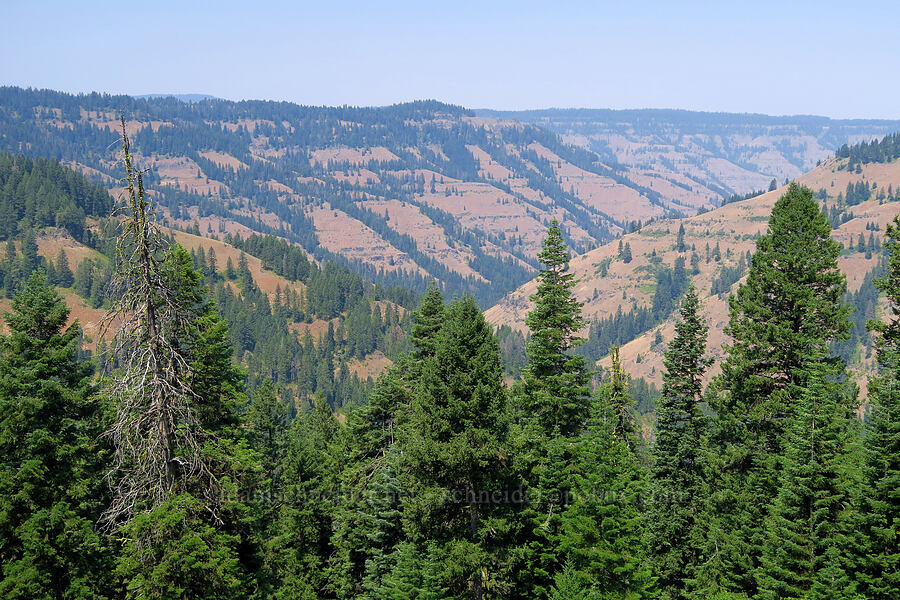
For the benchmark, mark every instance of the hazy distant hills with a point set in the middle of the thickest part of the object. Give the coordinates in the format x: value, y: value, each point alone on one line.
x: 720, y: 154
x: 415, y: 192
x: 861, y: 199
x: 404, y: 194
x: 189, y: 98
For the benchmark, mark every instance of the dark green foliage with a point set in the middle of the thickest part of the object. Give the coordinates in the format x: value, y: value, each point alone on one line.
x: 805, y: 553
x: 427, y: 321
x: 37, y: 192
x: 677, y: 479
x: 299, y: 551
x: 189, y: 556
x: 64, y: 276
x: 603, y: 528
x: 368, y: 445
x: 857, y: 193
x: 878, y: 151
x: 267, y: 422
x: 880, y: 576
x: 50, y: 488
x: 454, y: 452
x: 551, y: 410
x: 788, y: 310
x: 556, y: 393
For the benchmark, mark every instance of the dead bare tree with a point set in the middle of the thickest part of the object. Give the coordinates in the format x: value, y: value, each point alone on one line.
x: 158, y: 440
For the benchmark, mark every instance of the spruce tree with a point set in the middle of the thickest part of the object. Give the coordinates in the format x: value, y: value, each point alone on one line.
x: 266, y: 420
x: 676, y: 477
x: 603, y: 529
x: 298, y: 553
x: 788, y: 310
x: 369, y: 438
x: 880, y: 575
x: 383, y: 521
x: 64, y: 276
x: 51, y: 470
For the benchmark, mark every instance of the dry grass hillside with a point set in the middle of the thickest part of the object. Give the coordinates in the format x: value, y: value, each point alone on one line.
x: 693, y: 157
x: 734, y: 228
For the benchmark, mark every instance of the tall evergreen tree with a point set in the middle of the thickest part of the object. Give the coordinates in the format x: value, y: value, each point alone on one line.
x: 552, y: 407
x: 880, y: 577
x: 427, y: 321
x: 366, y: 443
x: 267, y: 424
x: 454, y: 450
x: 788, y: 310
x: 603, y: 528
x: 50, y: 474
x: 556, y: 392
x: 676, y: 478
x: 64, y: 276
x: 298, y: 554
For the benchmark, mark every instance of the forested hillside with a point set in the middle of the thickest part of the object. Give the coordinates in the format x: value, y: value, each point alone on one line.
x: 310, y: 328
x: 163, y: 479
x: 401, y: 194
x: 705, y: 155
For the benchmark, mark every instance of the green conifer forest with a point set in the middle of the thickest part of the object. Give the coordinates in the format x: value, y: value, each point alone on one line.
x: 203, y: 450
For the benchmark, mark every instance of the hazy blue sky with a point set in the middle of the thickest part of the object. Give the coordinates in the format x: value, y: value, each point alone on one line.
x: 840, y: 59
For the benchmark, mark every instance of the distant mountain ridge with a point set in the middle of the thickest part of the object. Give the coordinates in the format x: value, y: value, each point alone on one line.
x: 189, y: 98
x: 404, y: 194
x: 721, y: 154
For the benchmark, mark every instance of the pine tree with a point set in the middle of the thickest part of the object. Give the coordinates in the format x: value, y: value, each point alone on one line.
x: 454, y: 449
x: 679, y: 241
x: 880, y: 576
x: 51, y: 471
x: 788, y: 310
x: 676, y: 479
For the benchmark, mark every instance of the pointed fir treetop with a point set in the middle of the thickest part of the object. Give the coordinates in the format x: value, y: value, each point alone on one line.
x: 555, y: 379
x: 683, y: 359
x: 428, y: 318
x: 619, y: 402
x: 791, y: 301
x: 39, y: 315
